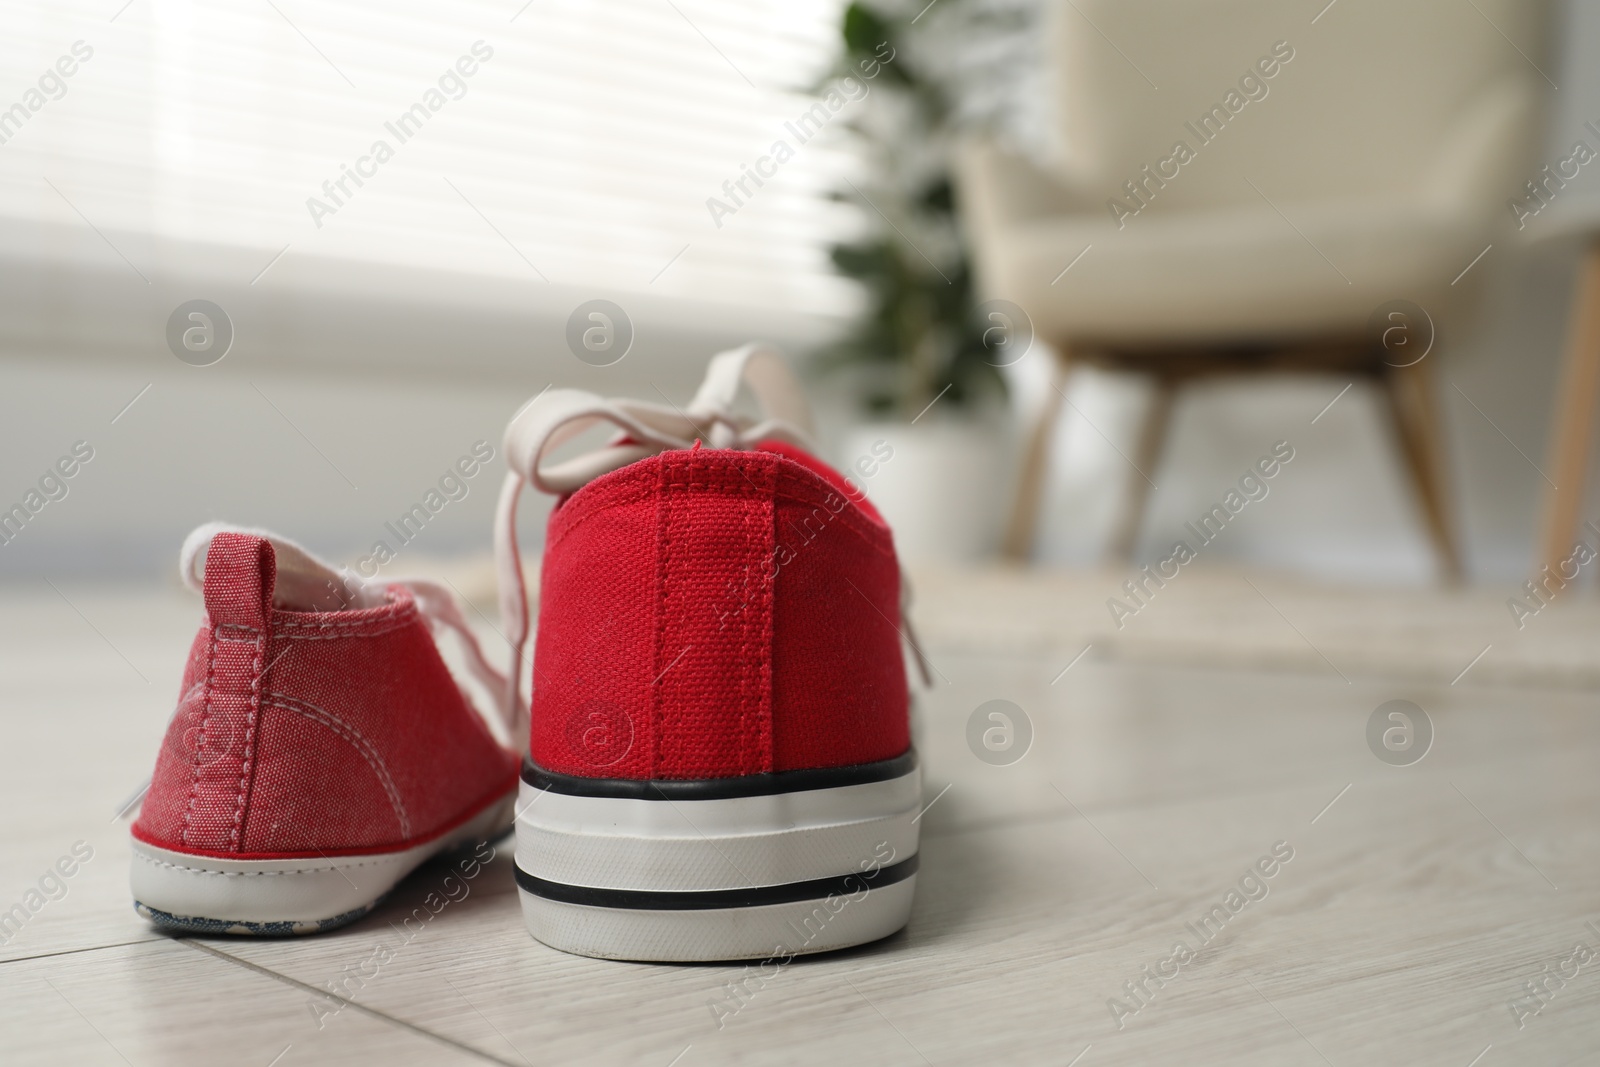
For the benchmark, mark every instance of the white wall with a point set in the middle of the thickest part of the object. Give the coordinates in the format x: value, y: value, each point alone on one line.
x: 328, y: 418
x: 206, y: 443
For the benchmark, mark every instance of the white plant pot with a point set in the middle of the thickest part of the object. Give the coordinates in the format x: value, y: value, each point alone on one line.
x: 943, y: 486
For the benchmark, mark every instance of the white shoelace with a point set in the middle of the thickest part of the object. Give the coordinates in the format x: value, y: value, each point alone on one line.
x: 306, y: 583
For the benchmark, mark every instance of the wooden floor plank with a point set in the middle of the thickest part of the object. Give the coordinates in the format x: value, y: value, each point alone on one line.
x: 171, y: 1003
x: 1418, y: 902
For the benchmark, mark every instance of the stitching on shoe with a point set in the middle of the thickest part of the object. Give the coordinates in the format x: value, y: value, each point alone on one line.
x: 354, y: 629
x: 252, y: 718
x: 746, y: 726
x: 205, y: 715
x: 397, y: 613
x: 623, y: 497
x: 353, y: 624
x: 398, y: 604
x: 752, y: 497
x: 787, y: 486
x: 730, y: 486
x: 357, y: 739
x: 255, y: 874
x: 663, y: 594
x: 761, y: 625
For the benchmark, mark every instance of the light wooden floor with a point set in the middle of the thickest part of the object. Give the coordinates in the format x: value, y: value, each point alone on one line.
x: 1418, y: 901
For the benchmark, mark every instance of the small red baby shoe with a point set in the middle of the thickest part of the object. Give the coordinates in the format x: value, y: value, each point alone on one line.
x: 321, y: 749
x: 720, y: 762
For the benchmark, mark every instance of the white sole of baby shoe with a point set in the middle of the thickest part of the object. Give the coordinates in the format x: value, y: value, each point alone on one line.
x: 753, y: 867
x: 188, y: 893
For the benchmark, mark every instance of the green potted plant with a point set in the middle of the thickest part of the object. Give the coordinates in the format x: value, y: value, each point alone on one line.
x: 922, y: 358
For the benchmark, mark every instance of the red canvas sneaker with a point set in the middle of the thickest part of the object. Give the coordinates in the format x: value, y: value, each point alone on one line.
x: 720, y: 760
x: 321, y: 749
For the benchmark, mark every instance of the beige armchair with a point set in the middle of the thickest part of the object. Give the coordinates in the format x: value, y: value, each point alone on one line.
x: 1240, y: 186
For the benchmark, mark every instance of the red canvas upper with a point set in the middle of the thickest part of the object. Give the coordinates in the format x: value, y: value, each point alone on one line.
x: 712, y: 612
x: 305, y: 733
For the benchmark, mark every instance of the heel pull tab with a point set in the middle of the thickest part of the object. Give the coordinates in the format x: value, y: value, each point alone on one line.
x: 240, y: 573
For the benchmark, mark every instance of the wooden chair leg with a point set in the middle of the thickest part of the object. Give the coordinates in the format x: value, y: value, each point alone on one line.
x: 1415, y: 413
x: 1146, y: 458
x: 1572, y: 434
x: 1021, y: 529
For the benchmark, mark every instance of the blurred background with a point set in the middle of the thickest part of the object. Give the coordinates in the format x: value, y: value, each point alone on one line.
x: 1079, y: 264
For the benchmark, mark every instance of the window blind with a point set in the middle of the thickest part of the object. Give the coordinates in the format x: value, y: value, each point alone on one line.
x: 565, y: 143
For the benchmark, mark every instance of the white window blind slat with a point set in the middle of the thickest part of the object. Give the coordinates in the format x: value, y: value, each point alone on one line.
x: 591, y: 139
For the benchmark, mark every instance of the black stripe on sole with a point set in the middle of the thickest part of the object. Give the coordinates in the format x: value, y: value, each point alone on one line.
x: 844, y: 885
x: 748, y: 785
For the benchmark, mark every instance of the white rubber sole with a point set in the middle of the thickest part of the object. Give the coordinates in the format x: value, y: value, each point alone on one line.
x: 204, y: 894
x: 742, y: 868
